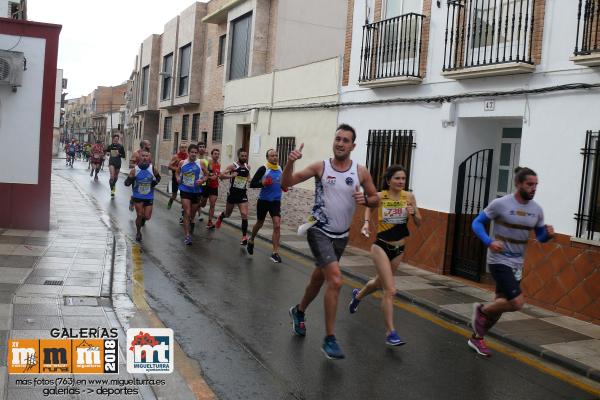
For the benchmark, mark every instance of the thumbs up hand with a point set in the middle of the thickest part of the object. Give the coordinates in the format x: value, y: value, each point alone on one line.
x: 296, y: 154
x: 359, y: 197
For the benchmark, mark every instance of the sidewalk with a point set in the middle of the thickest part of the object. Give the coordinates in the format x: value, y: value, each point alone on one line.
x: 62, y: 279
x: 566, y: 341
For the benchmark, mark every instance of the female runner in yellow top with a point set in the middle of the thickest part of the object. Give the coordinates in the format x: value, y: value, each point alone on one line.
x: 395, y: 208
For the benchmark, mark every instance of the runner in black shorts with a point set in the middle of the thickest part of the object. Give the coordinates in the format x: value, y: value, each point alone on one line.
x: 238, y: 173
x: 395, y: 207
x: 514, y: 216
x: 116, y: 151
x: 268, y: 179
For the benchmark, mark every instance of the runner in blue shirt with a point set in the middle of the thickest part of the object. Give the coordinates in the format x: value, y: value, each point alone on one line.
x: 143, y: 177
x: 268, y: 179
x: 191, y: 174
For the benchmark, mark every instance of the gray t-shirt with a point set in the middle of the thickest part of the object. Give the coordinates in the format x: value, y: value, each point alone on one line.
x: 512, y: 223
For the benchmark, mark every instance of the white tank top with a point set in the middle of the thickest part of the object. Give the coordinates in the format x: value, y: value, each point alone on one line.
x: 334, y: 202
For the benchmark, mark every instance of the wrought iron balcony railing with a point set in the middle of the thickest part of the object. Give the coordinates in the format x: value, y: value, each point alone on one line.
x: 391, y: 48
x: 588, y: 27
x: 488, y: 32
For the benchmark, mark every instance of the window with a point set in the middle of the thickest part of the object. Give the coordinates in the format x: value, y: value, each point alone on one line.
x: 167, y: 79
x: 388, y: 147
x: 145, y: 83
x: 205, y: 137
x: 195, y: 127
x: 240, y: 47
x: 167, y: 128
x: 184, y: 70
x: 285, y: 145
x: 222, y: 43
x: 588, y: 215
x: 217, y: 133
x: 185, y: 123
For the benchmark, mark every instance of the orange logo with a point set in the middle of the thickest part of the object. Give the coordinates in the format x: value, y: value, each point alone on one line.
x: 88, y: 356
x: 55, y: 356
x: 23, y: 356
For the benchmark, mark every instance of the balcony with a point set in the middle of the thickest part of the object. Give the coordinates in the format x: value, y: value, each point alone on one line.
x: 587, y: 46
x: 390, y: 53
x: 488, y: 38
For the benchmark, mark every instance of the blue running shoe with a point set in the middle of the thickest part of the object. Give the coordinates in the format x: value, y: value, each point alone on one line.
x: 354, y: 302
x: 297, y: 321
x: 394, y: 340
x: 331, y: 349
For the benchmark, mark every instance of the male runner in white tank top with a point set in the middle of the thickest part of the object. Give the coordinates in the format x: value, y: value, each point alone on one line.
x: 337, y: 193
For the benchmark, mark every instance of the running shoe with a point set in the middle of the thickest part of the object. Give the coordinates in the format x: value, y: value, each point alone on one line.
x: 188, y: 240
x: 210, y: 225
x: 478, y: 320
x: 244, y: 240
x: 138, y: 237
x: 219, y: 221
x: 181, y: 220
x: 250, y: 247
x: 354, y: 302
x: 275, y: 258
x: 393, y: 339
x: 96, y: 178
x: 297, y: 316
x: 200, y: 218
x: 331, y: 349
x: 169, y: 204
x: 479, y: 346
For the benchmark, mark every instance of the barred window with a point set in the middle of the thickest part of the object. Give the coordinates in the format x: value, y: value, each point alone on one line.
x: 217, y: 133
x: 285, y: 145
x: 168, y: 128
x: 389, y: 147
x: 588, y: 214
x: 185, y: 123
x: 195, y: 127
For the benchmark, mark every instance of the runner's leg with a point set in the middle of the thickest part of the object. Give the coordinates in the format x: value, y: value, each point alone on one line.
x: 317, y: 278
x: 333, y: 278
x: 276, y: 233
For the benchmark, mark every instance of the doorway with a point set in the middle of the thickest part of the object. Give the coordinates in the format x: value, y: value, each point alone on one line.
x: 510, y: 149
x: 246, y: 129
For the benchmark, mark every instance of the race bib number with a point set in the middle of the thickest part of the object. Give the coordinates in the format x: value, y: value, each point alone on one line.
x: 144, y: 188
x: 240, y: 182
x: 189, y: 179
x: 393, y: 212
x: 114, y: 153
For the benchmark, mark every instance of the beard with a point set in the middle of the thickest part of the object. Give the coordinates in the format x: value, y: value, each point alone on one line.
x: 525, y: 195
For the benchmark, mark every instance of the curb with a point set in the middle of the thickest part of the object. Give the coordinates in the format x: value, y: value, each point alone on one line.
x: 536, y: 350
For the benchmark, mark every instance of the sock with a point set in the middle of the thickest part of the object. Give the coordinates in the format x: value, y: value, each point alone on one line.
x: 244, y: 227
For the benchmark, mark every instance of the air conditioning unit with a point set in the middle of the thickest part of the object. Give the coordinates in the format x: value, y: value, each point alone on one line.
x: 11, y: 68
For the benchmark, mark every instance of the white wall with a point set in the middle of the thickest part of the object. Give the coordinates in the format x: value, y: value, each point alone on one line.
x: 58, y: 97
x: 312, y: 83
x: 302, y: 24
x: 20, y: 114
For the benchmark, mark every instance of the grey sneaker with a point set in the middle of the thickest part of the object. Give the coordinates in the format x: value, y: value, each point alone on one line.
x: 275, y: 258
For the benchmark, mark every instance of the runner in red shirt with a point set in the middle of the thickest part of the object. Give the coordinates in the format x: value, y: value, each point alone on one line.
x: 212, y: 187
x: 96, y: 158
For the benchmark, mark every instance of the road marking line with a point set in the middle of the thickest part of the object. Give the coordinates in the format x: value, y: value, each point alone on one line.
x: 187, y: 368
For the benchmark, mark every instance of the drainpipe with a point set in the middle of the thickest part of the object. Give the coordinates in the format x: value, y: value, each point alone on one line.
x: 272, y: 97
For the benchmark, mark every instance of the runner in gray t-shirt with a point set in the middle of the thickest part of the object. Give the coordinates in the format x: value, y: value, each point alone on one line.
x: 514, y: 216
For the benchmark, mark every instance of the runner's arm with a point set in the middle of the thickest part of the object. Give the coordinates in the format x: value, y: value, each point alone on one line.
x: 415, y: 210
x: 290, y: 178
x: 366, y: 223
x: 256, y: 182
x: 227, y: 173
x: 122, y: 151
x: 130, y: 178
x: 478, y: 226
x: 371, y: 199
x: 204, y: 174
x: 157, y: 177
x: 174, y: 164
x: 541, y: 234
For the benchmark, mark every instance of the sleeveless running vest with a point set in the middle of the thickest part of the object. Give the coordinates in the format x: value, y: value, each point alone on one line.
x: 190, y: 173
x: 142, y: 186
x: 393, y: 217
x: 238, y: 184
x: 216, y: 169
x: 271, y: 192
x: 334, y: 202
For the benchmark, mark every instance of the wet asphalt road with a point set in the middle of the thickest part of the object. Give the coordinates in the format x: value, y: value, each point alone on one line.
x: 229, y: 312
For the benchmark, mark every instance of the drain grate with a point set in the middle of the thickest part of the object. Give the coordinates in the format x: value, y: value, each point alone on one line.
x: 53, y: 283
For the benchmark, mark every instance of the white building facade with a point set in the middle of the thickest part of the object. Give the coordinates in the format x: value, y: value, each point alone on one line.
x: 433, y: 82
